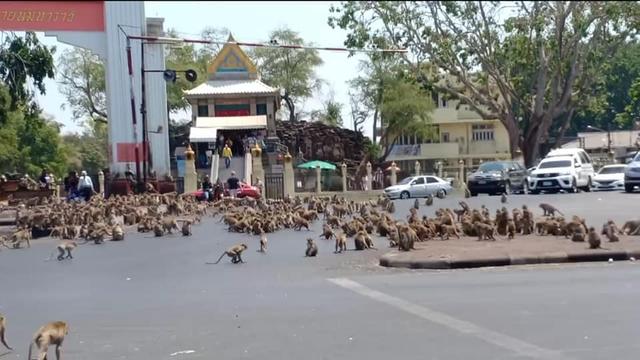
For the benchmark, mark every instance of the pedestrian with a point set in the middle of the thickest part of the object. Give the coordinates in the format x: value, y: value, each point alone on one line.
x: 226, y: 155
x: 44, y: 180
x: 233, y: 184
x: 218, y: 190
x: 85, y: 186
x: 207, y: 188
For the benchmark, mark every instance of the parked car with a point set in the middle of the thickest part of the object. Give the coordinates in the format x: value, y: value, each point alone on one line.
x: 495, y: 177
x: 245, y: 190
x: 632, y: 174
x: 419, y: 186
x: 568, y: 172
x: 610, y: 177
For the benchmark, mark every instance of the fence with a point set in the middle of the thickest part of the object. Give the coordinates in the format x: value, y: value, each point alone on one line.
x: 305, y: 180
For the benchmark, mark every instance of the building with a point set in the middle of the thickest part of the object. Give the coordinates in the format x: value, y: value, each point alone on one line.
x: 459, y: 133
x: 232, y: 104
x: 623, y: 143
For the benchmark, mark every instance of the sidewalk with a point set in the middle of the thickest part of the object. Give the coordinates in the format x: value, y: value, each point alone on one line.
x: 469, y: 253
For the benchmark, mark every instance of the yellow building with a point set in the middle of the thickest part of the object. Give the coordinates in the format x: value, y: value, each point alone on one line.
x: 459, y: 134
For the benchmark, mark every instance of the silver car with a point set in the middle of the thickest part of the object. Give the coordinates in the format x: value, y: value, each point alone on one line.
x: 419, y: 186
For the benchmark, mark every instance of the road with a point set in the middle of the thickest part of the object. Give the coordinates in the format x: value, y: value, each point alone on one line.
x: 154, y: 298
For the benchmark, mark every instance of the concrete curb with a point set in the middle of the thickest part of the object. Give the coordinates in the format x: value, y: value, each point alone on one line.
x: 395, y: 259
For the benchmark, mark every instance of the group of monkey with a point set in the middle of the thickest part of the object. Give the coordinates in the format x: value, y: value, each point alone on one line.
x: 50, y: 334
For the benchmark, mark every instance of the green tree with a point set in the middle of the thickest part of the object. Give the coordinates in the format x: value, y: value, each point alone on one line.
x: 531, y: 68
x: 86, y: 151
x: 21, y: 59
x: 82, y: 82
x: 290, y: 69
x: 331, y: 114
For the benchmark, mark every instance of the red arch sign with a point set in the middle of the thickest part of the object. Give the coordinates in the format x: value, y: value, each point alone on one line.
x: 52, y: 15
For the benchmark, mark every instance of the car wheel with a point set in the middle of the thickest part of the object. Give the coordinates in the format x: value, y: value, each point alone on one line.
x: 628, y: 188
x: 473, y: 193
x: 588, y: 187
x: 507, y: 188
x: 574, y: 187
x: 441, y: 194
x: 404, y: 195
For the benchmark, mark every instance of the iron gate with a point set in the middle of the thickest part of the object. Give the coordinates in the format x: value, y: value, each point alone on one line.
x: 274, y: 185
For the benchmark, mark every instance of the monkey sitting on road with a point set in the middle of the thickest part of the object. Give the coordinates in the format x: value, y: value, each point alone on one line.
x: 429, y: 200
x: 631, y: 227
x: 312, y: 248
x: 117, y: 233
x: 341, y: 243
x: 611, y: 231
x: 327, y: 232
x: 52, y: 333
x: 594, y: 239
x: 484, y: 231
x: 186, y: 227
x: 234, y: 252
x: 263, y: 243
x: 158, y: 230
x: 3, y: 327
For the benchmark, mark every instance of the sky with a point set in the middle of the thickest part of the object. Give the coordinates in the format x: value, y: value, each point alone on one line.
x: 250, y: 22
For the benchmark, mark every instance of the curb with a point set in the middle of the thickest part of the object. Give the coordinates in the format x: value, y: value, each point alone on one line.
x: 393, y: 260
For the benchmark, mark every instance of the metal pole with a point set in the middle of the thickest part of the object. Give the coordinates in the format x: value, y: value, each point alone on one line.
x: 133, y: 111
x: 143, y: 111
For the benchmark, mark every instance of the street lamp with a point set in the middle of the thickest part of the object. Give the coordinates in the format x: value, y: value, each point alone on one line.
x: 608, y: 131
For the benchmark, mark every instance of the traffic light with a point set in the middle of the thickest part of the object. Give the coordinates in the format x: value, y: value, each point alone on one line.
x: 169, y: 75
x: 191, y: 75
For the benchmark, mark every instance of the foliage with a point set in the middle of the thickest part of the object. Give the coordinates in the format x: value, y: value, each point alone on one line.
x: 87, y: 151
x: 22, y: 58
x: 82, y: 83
x: 531, y: 69
x: 331, y: 114
x: 290, y: 69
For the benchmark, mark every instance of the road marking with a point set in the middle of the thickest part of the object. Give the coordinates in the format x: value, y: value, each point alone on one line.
x: 504, y: 341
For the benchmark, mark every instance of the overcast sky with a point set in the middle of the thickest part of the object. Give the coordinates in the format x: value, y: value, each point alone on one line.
x: 248, y: 21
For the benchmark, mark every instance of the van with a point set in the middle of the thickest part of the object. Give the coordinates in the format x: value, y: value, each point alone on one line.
x: 563, y: 169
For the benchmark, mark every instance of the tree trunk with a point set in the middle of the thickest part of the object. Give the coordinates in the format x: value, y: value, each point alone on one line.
x: 291, y: 106
x: 387, y: 150
x: 564, y: 128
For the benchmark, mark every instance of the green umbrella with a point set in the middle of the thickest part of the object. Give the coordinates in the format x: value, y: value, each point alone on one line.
x: 315, y: 163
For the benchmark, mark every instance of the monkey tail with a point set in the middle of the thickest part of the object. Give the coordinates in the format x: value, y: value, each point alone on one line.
x: 220, y: 258
x: 50, y: 256
x: 30, y: 347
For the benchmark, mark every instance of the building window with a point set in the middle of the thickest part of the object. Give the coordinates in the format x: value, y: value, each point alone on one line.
x: 482, y: 132
x: 261, y: 109
x: 203, y: 110
x: 444, y: 102
x: 445, y: 137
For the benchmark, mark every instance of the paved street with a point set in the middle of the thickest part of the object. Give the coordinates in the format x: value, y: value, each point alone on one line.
x: 154, y: 298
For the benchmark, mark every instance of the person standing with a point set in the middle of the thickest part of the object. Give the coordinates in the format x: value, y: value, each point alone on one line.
x: 226, y: 155
x: 233, y: 184
x: 207, y: 188
x: 85, y: 186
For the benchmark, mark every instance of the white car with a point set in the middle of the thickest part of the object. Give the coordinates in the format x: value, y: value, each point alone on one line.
x: 610, y: 177
x: 419, y: 186
x: 557, y: 173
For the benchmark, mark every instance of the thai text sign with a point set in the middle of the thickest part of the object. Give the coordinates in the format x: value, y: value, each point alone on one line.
x: 52, y: 15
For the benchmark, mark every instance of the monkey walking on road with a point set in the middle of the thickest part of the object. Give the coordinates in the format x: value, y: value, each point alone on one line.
x: 52, y: 333
x: 64, y: 247
x: 234, y: 252
x: 312, y: 248
x: 549, y: 210
x: 263, y: 243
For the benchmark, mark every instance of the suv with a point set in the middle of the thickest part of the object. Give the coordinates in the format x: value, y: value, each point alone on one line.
x: 498, y: 177
x: 567, y: 169
x: 632, y: 174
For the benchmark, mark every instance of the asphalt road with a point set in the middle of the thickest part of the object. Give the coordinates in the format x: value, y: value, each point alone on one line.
x: 154, y: 298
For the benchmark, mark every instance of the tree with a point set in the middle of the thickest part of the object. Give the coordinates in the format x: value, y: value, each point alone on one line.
x: 331, y: 114
x: 87, y: 150
x: 359, y: 112
x: 292, y: 70
x: 530, y: 69
x: 82, y: 83
x: 22, y: 58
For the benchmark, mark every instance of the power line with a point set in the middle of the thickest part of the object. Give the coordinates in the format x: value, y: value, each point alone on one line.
x: 170, y: 40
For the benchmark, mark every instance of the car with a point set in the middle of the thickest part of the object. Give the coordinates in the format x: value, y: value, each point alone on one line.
x: 632, y: 174
x: 495, y: 177
x: 610, y: 177
x: 560, y: 173
x: 245, y: 190
x: 419, y: 186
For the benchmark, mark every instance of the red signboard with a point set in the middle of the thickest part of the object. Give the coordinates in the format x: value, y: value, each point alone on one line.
x: 52, y: 15
x: 238, y: 112
x: 127, y: 152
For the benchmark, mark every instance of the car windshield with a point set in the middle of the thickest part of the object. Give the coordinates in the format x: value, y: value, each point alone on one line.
x: 637, y: 157
x: 494, y: 166
x: 554, y: 164
x: 405, y: 181
x: 612, y: 170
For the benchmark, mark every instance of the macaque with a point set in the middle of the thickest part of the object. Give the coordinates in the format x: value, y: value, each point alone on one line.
x: 52, y: 333
x: 312, y: 248
x: 234, y: 252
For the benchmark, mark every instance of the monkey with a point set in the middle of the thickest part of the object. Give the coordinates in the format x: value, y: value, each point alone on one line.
x: 549, y: 210
x: 327, y: 232
x: 611, y: 231
x: 19, y: 237
x: 578, y: 235
x: 299, y: 223
x: 64, y: 247
x: 594, y: 239
x: 631, y: 227
x: 391, y: 208
x: 158, y: 230
x: 117, y: 233
x: 312, y: 248
x: 169, y: 224
x: 407, y: 238
x: 511, y: 229
x: 3, y: 327
x: 360, y: 241
x: 467, y: 193
x: 234, y: 252
x: 52, y: 333
x: 263, y: 243
x: 186, y: 228
x: 503, y: 198
x: 448, y: 230
x: 429, y: 200
x: 484, y: 231
x: 416, y: 204
x: 341, y: 243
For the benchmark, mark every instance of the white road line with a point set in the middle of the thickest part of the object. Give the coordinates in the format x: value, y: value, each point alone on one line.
x: 504, y: 341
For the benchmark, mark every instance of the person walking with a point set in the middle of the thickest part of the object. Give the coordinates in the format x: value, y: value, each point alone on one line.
x: 227, y: 154
x: 85, y: 186
x: 233, y: 184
